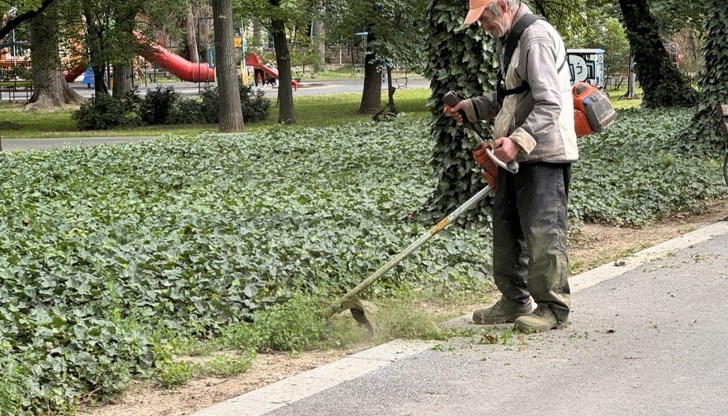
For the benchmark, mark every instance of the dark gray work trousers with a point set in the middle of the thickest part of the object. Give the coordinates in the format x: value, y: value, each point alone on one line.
x: 530, y: 235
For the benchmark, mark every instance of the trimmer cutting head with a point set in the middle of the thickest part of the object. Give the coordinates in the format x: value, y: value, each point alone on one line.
x: 362, y: 313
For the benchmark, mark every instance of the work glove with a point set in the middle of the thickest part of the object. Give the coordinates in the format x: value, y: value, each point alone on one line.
x: 487, y: 166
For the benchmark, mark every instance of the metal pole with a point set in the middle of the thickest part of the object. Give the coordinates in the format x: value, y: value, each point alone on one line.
x: 336, y: 306
x: 15, y: 52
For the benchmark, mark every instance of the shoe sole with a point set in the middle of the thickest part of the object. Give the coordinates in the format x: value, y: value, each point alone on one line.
x: 528, y: 329
x: 504, y: 320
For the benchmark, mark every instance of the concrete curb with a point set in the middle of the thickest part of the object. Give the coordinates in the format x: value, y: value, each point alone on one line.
x: 306, y: 384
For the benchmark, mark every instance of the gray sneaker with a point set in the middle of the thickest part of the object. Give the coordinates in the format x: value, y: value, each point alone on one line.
x: 503, y: 311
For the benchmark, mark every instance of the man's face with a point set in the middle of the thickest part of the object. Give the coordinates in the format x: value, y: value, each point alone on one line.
x: 497, y: 24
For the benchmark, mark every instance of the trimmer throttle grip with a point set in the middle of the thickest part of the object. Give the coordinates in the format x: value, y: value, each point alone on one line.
x: 452, y: 99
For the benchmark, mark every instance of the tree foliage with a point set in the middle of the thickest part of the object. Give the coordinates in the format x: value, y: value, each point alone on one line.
x: 105, y: 28
x: 578, y: 21
x: 392, y: 33
x: 674, y: 15
x: 21, y: 11
x: 613, y: 39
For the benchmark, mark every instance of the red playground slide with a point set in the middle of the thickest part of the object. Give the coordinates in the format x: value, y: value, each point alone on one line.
x: 75, y: 72
x: 254, y: 61
x: 179, y: 66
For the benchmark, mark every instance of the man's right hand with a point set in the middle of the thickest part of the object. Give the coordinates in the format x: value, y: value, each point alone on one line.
x: 455, y: 111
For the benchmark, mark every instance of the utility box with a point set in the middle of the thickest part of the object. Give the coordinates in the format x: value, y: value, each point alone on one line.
x: 587, y: 65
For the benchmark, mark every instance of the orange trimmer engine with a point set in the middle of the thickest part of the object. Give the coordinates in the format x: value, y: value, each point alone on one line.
x: 592, y: 110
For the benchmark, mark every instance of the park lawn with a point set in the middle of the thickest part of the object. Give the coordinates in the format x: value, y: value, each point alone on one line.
x: 15, y: 84
x: 310, y: 111
x: 15, y: 122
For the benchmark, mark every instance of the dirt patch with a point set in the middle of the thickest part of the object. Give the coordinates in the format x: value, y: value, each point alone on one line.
x: 593, y: 246
x: 596, y: 244
x: 148, y: 400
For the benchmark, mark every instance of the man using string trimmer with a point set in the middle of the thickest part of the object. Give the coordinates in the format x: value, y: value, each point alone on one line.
x: 534, y: 126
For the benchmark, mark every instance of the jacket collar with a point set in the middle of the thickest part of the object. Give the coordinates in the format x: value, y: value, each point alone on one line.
x: 522, y: 10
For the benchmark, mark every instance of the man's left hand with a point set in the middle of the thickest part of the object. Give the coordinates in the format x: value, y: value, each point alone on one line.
x: 505, y: 149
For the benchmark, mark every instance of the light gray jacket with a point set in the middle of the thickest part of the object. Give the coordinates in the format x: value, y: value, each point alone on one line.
x: 541, y: 120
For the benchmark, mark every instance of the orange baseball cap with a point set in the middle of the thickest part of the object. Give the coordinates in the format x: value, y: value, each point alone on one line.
x: 476, y: 9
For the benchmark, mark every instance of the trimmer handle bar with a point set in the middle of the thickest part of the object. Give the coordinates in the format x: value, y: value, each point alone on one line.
x: 452, y: 99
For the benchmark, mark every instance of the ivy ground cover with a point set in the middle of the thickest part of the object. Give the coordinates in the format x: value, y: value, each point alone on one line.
x: 105, y: 251
x: 100, y: 247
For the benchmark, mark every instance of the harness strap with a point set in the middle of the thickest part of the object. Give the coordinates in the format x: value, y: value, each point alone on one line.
x: 511, y: 43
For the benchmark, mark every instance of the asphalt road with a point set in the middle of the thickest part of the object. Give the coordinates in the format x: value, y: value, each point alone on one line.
x: 9, y: 145
x: 309, y: 87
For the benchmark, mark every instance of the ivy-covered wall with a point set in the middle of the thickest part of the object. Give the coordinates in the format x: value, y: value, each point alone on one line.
x: 713, y: 78
x: 462, y: 59
x: 663, y: 85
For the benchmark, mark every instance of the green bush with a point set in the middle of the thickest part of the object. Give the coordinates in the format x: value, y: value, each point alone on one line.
x: 102, y: 112
x: 157, y: 107
x: 187, y: 111
x: 254, y: 104
x: 210, y: 104
x: 164, y: 106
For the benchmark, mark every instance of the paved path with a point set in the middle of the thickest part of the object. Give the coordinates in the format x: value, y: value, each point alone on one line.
x: 646, y: 338
x: 190, y: 89
x: 9, y: 145
x: 309, y: 87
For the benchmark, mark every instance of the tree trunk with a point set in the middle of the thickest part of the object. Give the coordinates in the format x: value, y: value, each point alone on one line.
x: 319, y: 35
x: 630, y: 78
x: 663, y: 85
x: 123, y: 75
x: 713, y: 78
x: 50, y: 89
x: 192, y: 34
x: 94, y: 43
x: 463, y: 61
x: 124, y: 25
x: 286, y: 114
x: 390, y: 91
x: 231, y: 115
x: 371, y: 98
